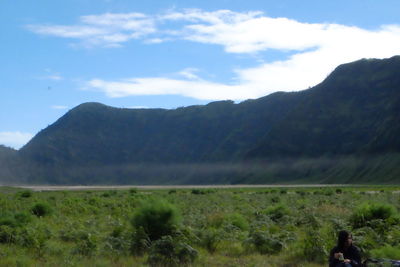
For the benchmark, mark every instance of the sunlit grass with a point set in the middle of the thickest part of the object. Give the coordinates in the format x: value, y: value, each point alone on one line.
x: 94, y: 228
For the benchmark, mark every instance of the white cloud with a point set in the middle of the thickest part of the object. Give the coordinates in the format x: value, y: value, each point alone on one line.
x: 199, y: 89
x: 156, y: 40
x: 14, y: 139
x: 126, y: 20
x: 54, y: 77
x: 214, y: 17
x: 246, y: 32
x: 189, y: 73
x: 107, y: 30
x: 51, y: 75
x: 59, y: 107
x: 318, y: 49
x: 250, y: 33
x: 315, y: 49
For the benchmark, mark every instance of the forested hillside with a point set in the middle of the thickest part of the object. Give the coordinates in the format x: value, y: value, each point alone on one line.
x: 8, y: 164
x: 355, y: 110
x: 333, y: 132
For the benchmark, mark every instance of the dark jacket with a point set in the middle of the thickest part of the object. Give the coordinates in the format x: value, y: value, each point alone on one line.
x: 352, y: 253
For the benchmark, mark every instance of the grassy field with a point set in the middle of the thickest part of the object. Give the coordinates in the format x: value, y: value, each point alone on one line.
x: 280, y: 226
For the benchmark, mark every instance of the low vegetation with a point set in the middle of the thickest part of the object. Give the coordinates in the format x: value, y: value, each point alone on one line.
x: 182, y: 227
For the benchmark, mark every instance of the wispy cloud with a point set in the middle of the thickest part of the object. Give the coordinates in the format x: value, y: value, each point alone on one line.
x: 51, y: 75
x: 315, y: 49
x: 156, y: 40
x: 214, y: 17
x: 107, y: 30
x: 54, y: 77
x: 189, y: 73
x: 59, y: 107
x: 199, y: 89
x: 14, y: 139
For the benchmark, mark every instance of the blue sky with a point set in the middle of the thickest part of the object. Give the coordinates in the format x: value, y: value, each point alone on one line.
x: 151, y: 54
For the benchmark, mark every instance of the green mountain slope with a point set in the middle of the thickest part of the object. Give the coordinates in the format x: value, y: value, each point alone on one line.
x: 95, y: 133
x: 355, y: 110
x: 345, y: 129
x: 9, y: 165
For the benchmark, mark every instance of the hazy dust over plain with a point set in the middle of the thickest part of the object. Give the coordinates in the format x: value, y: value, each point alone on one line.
x: 126, y: 187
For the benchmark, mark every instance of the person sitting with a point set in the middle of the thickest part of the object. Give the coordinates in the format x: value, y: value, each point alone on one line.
x: 345, y: 254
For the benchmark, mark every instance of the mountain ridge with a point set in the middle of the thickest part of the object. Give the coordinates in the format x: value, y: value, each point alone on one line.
x: 352, y: 113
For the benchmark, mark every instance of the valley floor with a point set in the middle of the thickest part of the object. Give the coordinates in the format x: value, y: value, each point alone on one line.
x: 125, y: 187
x: 264, y: 225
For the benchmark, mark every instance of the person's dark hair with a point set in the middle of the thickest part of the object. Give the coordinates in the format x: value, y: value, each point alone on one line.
x: 342, y: 238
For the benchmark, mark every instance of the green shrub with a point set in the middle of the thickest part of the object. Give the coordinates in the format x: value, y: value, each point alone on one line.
x: 157, y: 218
x: 22, y: 218
x: 34, y: 237
x: 7, y: 234
x: 277, y: 212
x: 238, y: 221
x: 93, y: 201
x: 368, y: 212
x: 215, y: 220
x: 275, y: 199
x: 231, y: 248
x: 86, y: 244
x: 27, y: 237
x: 367, y: 239
x: 7, y: 219
x: 387, y: 252
x: 110, y: 193
x: 301, y: 193
x: 209, y: 239
x: 198, y: 192
x: 140, y: 242
x: 311, y: 220
x: 117, y: 241
x: 41, y: 209
x: 133, y: 191
x: 15, y: 220
x: 169, y: 252
x: 264, y: 243
x: 314, y: 247
x: 25, y: 193
x: 70, y: 232
x: 394, y: 236
x: 185, y: 253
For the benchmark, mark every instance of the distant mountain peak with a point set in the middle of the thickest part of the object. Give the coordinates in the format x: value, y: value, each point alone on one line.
x: 364, y: 69
x: 91, y: 105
